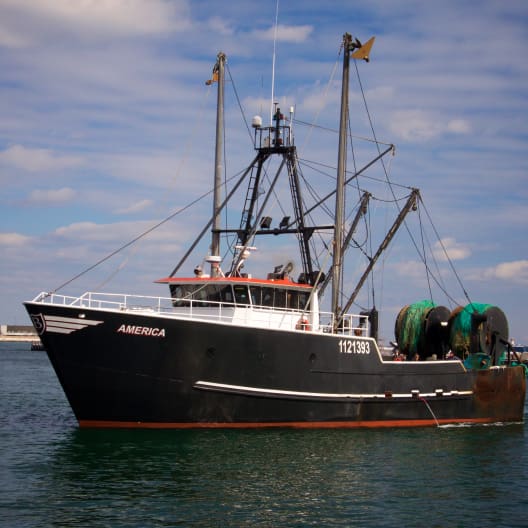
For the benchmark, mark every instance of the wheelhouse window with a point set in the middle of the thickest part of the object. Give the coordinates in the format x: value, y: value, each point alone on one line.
x: 181, y: 294
x: 278, y: 298
x: 217, y: 293
x: 213, y: 295
x: 201, y: 295
x: 297, y: 300
x: 241, y: 294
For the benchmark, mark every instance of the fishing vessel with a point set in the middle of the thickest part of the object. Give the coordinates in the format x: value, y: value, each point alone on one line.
x: 228, y: 349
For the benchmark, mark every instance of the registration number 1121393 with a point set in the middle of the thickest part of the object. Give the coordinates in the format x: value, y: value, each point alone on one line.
x: 353, y: 346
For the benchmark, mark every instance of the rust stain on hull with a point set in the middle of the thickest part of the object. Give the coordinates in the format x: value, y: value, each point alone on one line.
x: 500, y: 392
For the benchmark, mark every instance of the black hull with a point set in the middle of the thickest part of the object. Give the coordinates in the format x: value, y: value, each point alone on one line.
x: 120, y: 369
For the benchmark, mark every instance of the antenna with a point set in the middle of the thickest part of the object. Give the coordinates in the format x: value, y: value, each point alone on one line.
x: 273, y: 62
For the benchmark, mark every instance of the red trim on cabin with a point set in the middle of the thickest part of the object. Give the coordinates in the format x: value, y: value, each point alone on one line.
x: 374, y: 424
x: 232, y: 280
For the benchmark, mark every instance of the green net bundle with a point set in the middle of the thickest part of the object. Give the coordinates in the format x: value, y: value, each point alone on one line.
x: 460, y: 327
x: 410, y: 330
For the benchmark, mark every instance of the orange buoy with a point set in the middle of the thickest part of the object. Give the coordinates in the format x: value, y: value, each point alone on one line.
x: 303, y: 324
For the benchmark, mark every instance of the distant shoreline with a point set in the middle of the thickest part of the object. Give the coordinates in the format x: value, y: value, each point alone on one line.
x: 18, y: 333
x: 19, y: 339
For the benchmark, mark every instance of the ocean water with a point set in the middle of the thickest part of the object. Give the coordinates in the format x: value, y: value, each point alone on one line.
x: 53, y: 474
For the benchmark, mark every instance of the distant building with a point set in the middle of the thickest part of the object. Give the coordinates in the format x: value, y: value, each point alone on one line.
x: 17, y: 331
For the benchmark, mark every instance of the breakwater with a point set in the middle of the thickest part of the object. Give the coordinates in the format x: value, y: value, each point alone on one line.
x: 24, y: 333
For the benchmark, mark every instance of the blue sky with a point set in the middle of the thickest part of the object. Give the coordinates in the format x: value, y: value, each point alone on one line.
x: 107, y: 127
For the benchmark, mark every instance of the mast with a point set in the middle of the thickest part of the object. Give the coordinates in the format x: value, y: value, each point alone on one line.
x: 362, y: 52
x: 218, y: 75
x: 340, y: 183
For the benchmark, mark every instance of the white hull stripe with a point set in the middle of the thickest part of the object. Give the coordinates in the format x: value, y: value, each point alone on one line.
x: 258, y: 391
x: 66, y: 325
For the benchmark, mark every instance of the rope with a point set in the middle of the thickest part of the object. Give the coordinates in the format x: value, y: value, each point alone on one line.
x: 324, y: 99
x: 273, y: 61
x: 390, y: 184
x: 446, y: 254
x: 241, y: 108
x: 134, y: 240
x: 159, y: 224
x: 425, y: 255
x: 183, y: 160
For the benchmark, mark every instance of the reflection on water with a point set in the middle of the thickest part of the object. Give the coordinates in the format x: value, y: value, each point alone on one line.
x: 53, y: 474
x: 284, y: 477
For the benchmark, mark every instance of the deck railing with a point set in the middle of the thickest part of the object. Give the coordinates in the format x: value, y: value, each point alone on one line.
x: 225, y: 312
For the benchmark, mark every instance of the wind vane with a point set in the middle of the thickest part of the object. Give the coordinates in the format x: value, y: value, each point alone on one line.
x: 362, y: 50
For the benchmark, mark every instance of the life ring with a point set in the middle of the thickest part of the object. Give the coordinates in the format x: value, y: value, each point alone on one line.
x: 303, y: 324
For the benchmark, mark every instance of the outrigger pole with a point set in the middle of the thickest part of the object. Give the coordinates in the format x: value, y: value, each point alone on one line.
x: 409, y: 205
x: 361, y: 211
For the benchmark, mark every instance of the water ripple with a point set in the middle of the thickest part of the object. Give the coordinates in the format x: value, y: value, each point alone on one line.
x: 53, y: 474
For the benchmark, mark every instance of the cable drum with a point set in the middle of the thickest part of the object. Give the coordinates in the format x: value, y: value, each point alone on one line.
x: 421, y: 328
x: 478, y: 328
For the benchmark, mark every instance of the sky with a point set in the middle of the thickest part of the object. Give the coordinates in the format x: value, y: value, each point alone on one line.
x: 107, y: 128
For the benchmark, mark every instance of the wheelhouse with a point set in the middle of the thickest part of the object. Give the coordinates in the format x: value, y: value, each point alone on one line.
x: 239, y: 292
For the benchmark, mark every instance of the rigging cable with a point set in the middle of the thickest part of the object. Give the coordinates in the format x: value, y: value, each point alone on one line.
x: 241, y: 108
x: 334, y: 131
x: 306, y: 140
x: 435, y: 261
x: 386, y: 253
x: 135, y: 239
x: 425, y: 255
x: 183, y: 160
x: 371, y: 250
x: 273, y: 60
x: 231, y: 241
x: 372, y: 178
x: 422, y: 257
x: 264, y: 169
x: 324, y: 99
x: 447, y: 257
x: 367, y: 223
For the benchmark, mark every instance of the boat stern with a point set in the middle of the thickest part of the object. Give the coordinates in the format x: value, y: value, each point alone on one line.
x: 500, y: 393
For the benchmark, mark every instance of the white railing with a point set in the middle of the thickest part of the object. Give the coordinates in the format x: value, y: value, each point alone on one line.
x: 351, y: 324
x: 229, y: 313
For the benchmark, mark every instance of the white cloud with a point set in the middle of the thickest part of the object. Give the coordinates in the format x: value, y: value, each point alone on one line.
x: 459, y: 126
x: 13, y: 239
x: 36, y: 159
x: 514, y: 271
x: 111, y: 17
x: 455, y: 250
x: 411, y: 269
x: 414, y: 125
x: 84, y: 231
x: 52, y: 196
x: 218, y: 24
x: 117, y: 233
x: 285, y: 33
x: 380, y: 93
x: 135, y: 207
x: 11, y: 38
x: 419, y: 125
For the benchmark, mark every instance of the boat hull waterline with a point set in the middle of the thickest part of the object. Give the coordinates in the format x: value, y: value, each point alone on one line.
x: 124, y: 369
